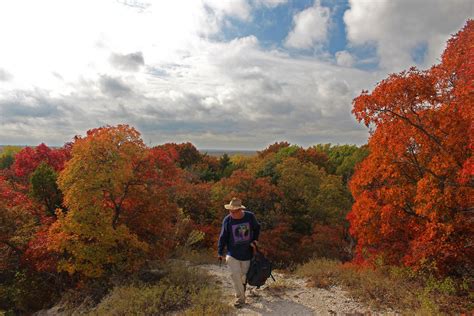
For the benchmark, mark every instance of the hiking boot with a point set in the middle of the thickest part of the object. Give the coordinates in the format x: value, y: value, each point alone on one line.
x: 253, y: 293
x: 239, y: 303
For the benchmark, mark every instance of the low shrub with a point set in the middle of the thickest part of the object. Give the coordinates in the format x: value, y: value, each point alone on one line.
x: 27, y: 291
x: 207, y: 302
x: 392, y: 287
x: 184, y: 289
x: 142, y: 299
x: 196, y: 256
x: 279, y: 286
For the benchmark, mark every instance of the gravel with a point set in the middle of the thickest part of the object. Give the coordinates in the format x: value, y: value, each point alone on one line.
x: 290, y: 295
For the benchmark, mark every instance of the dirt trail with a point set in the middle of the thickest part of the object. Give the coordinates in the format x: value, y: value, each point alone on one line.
x: 289, y: 296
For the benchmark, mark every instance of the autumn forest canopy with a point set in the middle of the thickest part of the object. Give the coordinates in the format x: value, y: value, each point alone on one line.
x: 106, y: 203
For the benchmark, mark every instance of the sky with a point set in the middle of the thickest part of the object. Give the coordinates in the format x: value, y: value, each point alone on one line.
x: 222, y: 74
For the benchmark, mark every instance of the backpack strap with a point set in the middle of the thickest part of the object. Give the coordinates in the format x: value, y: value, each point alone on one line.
x: 254, y: 250
x: 249, y: 270
x: 272, y: 277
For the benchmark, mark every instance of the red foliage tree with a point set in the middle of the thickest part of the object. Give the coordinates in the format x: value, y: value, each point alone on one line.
x: 17, y: 224
x: 187, y: 153
x: 195, y: 201
x: 29, y: 158
x: 259, y: 195
x: 280, y: 243
x: 413, y: 194
x: 326, y: 241
x: 313, y: 156
x: 37, y: 255
x: 273, y: 148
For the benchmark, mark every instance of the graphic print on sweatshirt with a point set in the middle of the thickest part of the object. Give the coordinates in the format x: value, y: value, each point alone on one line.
x: 241, y: 233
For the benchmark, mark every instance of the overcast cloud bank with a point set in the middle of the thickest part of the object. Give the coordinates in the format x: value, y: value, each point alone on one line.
x: 164, y: 68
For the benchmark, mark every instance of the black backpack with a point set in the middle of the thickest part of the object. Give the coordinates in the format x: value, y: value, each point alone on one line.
x: 259, y: 271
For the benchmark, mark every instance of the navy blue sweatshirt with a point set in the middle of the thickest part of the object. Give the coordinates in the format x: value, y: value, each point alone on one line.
x: 237, y: 234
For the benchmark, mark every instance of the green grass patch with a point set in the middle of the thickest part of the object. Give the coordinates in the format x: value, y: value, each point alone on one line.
x: 393, y: 287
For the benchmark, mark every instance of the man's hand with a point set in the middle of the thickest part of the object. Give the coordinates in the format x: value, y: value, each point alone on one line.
x: 254, y: 245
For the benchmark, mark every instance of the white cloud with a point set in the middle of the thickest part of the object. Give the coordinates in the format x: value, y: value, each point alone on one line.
x: 72, y: 66
x: 397, y: 28
x: 76, y: 38
x: 269, y: 3
x: 310, y: 27
x: 217, y: 95
x: 344, y: 58
x: 127, y: 62
x: 5, y: 75
x: 235, y: 8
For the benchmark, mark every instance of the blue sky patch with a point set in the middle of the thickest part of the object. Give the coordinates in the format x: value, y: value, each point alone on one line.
x: 418, y: 53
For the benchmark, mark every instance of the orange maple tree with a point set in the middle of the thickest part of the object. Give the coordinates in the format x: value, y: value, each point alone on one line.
x: 119, y: 210
x: 413, y: 194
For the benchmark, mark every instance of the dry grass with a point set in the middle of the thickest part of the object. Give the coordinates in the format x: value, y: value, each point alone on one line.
x: 196, y: 257
x: 392, y: 287
x: 207, y: 302
x: 279, y: 283
x: 279, y: 286
x: 182, y: 290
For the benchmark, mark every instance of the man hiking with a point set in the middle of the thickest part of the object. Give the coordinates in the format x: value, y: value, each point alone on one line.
x: 239, y: 234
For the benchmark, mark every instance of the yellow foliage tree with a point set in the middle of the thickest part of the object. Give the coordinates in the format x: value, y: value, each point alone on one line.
x: 119, y: 212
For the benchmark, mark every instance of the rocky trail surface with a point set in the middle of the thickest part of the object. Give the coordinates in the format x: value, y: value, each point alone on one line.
x: 289, y: 295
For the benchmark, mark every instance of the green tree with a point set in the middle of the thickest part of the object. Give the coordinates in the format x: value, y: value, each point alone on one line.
x: 6, y: 161
x: 7, y: 156
x: 225, y: 166
x: 265, y: 165
x: 44, y: 189
x: 311, y: 195
x: 342, y: 159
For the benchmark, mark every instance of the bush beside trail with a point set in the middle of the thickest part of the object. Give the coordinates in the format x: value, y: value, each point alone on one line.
x: 393, y: 287
x: 180, y: 289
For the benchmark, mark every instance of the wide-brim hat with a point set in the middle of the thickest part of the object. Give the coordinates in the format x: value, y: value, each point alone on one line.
x: 234, y: 204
